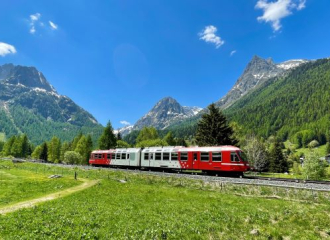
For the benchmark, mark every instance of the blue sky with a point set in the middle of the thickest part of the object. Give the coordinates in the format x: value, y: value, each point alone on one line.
x: 116, y: 59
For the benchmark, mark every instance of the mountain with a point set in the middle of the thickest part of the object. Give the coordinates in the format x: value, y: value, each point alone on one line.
x: 259, y: 76
x: 294, y: 106
x: 124, y: 130
x: 29, y: 104
x: 257, y: 72
x: 166, y: 112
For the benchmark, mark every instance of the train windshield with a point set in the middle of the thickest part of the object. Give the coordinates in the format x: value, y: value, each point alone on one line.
x: 242, y: 156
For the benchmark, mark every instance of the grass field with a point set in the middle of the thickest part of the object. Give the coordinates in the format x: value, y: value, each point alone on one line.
x: 320, y: 149
x: 151, y: 207
x: 20, y: 184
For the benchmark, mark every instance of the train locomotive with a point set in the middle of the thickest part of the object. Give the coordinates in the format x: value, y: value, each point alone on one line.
x: 222, y: 160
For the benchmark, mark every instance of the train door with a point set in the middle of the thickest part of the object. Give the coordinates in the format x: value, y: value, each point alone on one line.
x: 195, y: 160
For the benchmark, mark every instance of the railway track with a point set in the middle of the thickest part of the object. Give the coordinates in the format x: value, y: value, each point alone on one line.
x: 294, y: 180
x: 246, y: 180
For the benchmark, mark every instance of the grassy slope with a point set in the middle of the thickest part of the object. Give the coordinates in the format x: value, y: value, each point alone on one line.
x: 18, y: 184
x: 149, y: 207
x: 283, y: 107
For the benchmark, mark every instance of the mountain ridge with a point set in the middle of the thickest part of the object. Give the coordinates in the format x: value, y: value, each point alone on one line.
x: 26, y: 90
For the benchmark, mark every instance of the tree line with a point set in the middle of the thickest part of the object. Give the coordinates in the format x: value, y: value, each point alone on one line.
x: 213, y: 129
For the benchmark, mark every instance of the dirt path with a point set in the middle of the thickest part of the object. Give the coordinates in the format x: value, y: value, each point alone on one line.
x: 52, y: 196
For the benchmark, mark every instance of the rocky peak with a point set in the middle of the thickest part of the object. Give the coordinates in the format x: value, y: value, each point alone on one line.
x: 28, y: 77
x: 256, y: 72
x: 6, y: 70
x: 165, y: 112
x: 167, y: 106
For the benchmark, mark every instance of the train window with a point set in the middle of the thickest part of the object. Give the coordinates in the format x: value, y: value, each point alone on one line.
x: 113, y: 156
x: 216, y: 157
x: 123, y: 156
x: 158, y: 156
x: 234, y: 157
x: 174, y: 156
x: 117, y: 155
x: 151, y: 156
x: 184, y: 157
x: 127, y: 156
x: 205, y: 156
x: 243, y: 156
x: 166, y: 156
x: 146, y: 156
x: 108, y: 156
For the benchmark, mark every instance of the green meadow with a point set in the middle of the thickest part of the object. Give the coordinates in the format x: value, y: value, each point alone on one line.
x: 131, y: 205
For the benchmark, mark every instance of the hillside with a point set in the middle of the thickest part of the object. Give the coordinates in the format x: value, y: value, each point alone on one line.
x: 292, y: 105
x: 29, y: 104
x: 295, y: 106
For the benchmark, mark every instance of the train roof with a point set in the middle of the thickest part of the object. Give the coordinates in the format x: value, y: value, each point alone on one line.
x: 118, y: 150
x: 209, y: 149
x: 170, y: 149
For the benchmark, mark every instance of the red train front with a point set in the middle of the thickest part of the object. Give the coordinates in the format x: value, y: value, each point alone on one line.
x: 222, y: 159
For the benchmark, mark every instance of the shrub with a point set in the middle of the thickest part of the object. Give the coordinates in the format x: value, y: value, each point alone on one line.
x: 314, y: 168
x: 313, y: 144
x: 72, y: 157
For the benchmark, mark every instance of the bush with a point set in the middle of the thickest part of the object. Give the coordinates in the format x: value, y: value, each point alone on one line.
x: 313, y: 144
x: 314, y: 168
x: 152, y: 143
x: 122, y: 144
x: 72, y: 157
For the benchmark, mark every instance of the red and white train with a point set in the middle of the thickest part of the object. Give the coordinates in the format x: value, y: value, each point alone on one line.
x: 222, y: 159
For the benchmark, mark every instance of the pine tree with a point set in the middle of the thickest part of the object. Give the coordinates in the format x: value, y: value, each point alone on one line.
x: 44, y: 152
x: 278, y: 163
x: 108, y: 138
x: 213, y: 129
x: 89, y: 147
x: 119, y: 136
x: 25, y: 146
x: 75, y: 141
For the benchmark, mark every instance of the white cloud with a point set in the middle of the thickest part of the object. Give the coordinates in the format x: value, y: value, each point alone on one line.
x: 32, y: 30
x: 125, y: 122
x: 275, y: 11
x: 34, y: 18
x: 6, y: 48
x: 301, y: 5
x: 53, y: 25
x: 232, y: 52
x: 209, y: 35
